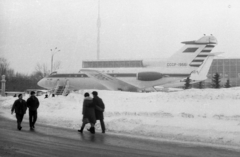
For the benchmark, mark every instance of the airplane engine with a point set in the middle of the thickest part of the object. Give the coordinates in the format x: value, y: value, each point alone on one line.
x: 149, y: 76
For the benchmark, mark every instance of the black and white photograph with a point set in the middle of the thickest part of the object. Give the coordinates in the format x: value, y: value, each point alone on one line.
x: 119, y: 78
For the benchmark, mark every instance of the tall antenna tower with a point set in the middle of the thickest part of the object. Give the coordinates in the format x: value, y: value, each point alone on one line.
x: 98, y: 31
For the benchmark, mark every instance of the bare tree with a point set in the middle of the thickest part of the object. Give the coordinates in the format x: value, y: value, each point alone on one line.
x: 42, y: 69
x: 37, y: 75
x: 10, y: 73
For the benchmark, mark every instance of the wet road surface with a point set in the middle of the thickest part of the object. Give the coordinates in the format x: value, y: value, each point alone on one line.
x: 48, y: 141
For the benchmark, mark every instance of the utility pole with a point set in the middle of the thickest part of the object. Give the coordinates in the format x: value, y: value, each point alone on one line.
x: 98, y: 31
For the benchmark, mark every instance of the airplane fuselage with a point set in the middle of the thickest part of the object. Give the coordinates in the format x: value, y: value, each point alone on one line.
x: 156, y: 76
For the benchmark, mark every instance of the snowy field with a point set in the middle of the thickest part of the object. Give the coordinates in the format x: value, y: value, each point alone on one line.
x: 206, y: 116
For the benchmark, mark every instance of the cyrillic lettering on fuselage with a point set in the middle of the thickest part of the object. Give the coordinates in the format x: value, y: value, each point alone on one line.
x: 177, y: 64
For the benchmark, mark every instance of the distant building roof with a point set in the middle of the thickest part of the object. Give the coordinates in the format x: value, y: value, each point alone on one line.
x: 112, y: 63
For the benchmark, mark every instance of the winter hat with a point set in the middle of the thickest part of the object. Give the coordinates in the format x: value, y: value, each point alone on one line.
x: 94, y: 93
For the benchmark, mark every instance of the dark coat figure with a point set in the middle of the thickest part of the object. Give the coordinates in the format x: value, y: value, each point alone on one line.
x: 32, y: 104
x: 99, y: 109
x: 88, y: 112
x: 20, y: 107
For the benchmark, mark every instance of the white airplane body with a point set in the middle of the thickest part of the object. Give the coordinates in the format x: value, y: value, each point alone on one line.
x: 192, y: 60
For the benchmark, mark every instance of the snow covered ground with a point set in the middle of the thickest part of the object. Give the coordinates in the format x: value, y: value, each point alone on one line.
x: 196, y: 115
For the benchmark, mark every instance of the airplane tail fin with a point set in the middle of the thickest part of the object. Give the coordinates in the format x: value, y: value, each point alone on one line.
x: 201, y: 73
x: 193, y: 53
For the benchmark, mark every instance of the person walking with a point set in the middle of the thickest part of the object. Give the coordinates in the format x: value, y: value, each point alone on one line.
x: 99, y: 109
x: 32, y: 104
x: 20, y: 107
x: 88, y: 112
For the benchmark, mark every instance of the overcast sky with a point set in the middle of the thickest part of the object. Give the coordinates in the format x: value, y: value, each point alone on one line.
x: 130, y: 29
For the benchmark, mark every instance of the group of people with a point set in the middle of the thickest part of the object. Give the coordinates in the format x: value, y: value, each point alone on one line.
x: 20, y: 107
x: 92, y: 111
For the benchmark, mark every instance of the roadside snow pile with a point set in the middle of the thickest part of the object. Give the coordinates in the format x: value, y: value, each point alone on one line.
x: 207, y: 115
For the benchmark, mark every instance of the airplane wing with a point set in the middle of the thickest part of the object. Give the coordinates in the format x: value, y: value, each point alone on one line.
x: 108, y: 81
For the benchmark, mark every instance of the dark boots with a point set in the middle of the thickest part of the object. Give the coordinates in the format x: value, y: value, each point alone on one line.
x: 92, y: 130
x: 81, y: 130
x: 19, y: 126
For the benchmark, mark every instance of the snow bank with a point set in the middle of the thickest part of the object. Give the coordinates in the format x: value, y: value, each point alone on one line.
x: 207, y: 115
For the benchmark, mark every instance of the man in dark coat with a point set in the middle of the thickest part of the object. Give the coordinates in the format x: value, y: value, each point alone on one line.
x: 99, y: 109
x: 32, y: 104
x: 20, y: 107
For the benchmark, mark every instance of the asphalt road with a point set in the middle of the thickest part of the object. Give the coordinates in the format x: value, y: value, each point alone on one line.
x: 48, y: 141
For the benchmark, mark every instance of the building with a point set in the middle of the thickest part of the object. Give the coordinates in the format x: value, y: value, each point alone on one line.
x: 227, y: 68
x: 113, y: 64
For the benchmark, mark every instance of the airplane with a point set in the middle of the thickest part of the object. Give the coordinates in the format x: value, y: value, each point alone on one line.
x: 193, y: 60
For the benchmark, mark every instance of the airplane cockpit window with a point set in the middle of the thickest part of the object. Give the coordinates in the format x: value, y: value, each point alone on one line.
x: 53, y: 73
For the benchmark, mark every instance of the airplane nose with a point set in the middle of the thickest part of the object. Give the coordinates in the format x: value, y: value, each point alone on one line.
x: 41, y: 83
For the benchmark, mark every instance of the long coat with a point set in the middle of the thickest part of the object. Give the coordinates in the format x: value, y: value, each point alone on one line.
x: 88, y: 111
x: 99, y: 107
x: 20, y: 107
x: 33, y: 103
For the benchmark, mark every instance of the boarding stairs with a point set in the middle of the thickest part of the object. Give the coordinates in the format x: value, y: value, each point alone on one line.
x: 62, y: 90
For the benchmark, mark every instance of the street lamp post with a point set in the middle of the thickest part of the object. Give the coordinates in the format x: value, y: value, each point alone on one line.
x: 53, y: 53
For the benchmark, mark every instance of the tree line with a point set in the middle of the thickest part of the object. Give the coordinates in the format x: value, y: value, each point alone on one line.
x: 16, y: 81
x: 216, y: 80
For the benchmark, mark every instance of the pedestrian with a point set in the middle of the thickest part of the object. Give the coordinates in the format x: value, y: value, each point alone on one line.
x: 20, y: 107
x: 99, y: 109
x: 32, y: 104
x: 88, y: 112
